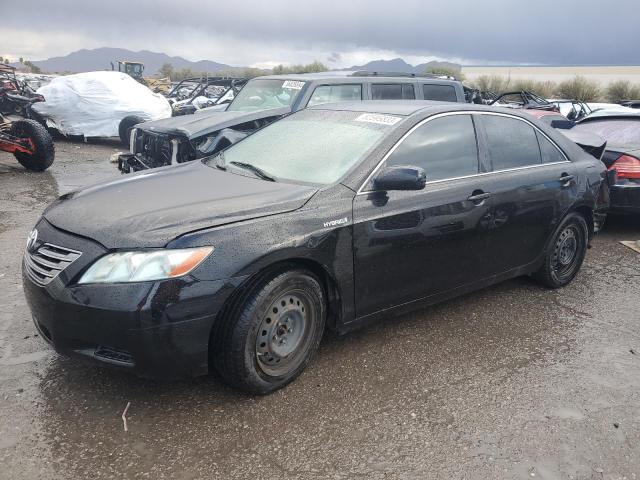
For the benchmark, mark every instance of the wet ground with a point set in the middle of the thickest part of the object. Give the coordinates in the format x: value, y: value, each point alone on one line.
x: 515, y: 381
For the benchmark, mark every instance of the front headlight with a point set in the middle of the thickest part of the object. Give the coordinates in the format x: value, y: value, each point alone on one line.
x: 142, y: 266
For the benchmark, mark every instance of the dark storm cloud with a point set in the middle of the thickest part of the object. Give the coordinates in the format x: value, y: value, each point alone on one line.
x: 543, y: 31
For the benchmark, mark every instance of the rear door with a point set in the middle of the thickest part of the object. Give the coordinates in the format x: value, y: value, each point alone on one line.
x: 532, y: 185
x: 347, y: 92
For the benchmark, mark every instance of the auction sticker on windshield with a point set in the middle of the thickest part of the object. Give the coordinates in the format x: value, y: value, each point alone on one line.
x: 378, y: 118
x: 293, y: 84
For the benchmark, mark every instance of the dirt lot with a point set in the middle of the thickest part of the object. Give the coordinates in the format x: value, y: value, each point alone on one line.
x: 511, y: 382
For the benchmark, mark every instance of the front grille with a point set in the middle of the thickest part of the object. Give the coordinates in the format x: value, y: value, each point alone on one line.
x: 47, y: 261
x: 154, y: 146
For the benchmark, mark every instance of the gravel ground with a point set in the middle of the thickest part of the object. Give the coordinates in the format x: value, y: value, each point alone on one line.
x: 514, y: 381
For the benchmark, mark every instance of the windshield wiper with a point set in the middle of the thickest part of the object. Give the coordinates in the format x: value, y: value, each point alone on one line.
x: 255, y: 170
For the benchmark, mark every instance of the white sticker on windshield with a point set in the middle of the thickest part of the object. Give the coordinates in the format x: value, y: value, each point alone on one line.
x: 378, y: 118
x: 293, y: 84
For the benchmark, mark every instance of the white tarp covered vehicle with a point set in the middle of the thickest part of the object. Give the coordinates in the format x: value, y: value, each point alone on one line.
x: 93, y: 103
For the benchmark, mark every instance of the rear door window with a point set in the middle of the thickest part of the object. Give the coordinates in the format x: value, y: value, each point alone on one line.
x: 335, y: 93
x: 511, y: 143
x: 445, y: 147
x: 441, y: 93
x: 550, y: 153
x: 392, y: 91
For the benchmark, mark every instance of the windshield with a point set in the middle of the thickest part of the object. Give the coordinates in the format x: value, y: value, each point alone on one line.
x: 620, y: 132
x: 311, y: 146
x: 265, y: 94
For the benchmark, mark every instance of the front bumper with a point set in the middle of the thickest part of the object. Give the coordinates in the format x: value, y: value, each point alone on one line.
x: 625, y: 198
x: 154, y: 329
x: 129, y: 162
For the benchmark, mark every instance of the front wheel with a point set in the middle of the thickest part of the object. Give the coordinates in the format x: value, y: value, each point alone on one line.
x: 268, y: 339
x: 565, y: 253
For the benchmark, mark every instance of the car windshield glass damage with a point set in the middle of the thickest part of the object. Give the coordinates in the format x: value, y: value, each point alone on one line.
x: 265, y: 94
x: 311, y: 146
x: 614, y: 131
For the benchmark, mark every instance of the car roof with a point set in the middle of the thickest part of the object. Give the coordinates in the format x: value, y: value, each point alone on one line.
x: 391, y: 107
x: 410, y: 107
x: 352, y: 76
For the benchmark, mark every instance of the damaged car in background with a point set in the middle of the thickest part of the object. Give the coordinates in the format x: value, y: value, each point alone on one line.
x: 192, y: 94
x: 264, y: 100
x: 621, y: 130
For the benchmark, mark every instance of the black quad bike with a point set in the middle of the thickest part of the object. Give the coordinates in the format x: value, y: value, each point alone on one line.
x: 29, y: 142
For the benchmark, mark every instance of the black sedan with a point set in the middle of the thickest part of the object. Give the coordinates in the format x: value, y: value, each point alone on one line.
x: 621, y: 130
x: 334, y: 216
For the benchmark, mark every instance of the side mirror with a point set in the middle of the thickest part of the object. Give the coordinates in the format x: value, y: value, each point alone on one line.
x: 400, y: 178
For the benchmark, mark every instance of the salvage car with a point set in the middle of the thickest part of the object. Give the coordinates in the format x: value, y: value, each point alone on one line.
x: 574, y: 110
x: 264, y: 100
x: 337, y: 215
x: 193, y: 94
x: 523, y: 99
x: 622, y: 156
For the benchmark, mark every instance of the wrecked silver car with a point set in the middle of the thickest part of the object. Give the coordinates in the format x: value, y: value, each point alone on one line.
x: 264, y: 100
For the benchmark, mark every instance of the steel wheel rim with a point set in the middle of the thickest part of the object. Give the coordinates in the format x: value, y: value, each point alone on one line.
x: 566, y: 250
x: 283, y: 336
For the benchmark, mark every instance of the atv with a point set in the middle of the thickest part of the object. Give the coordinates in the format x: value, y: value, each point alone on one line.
x: 29, y: 142
x: 16, y: 96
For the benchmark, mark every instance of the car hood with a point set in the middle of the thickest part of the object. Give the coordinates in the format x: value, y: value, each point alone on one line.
x: 193, y: 126
x: 153, y: 208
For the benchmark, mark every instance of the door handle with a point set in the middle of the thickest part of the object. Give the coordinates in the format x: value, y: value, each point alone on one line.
x: 565, y: 179
x: 478, y: 197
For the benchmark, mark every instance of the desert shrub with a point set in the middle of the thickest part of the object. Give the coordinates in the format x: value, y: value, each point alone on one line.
x: 310, y: 68
x: 622, y: 90
x: 449, y: 72
x: 491, y: 83
x: 580, y: 88
x: 545, y: 89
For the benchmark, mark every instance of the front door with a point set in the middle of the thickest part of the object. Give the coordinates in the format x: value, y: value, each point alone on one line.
x: 413, y: 244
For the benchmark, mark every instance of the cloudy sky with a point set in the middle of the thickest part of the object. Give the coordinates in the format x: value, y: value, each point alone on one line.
x: 339, y: 33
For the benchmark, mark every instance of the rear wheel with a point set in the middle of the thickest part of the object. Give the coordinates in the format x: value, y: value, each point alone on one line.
x: 126, y: 125
x: 268, y: 339
x: 565, y: 253
x: 43, y: 149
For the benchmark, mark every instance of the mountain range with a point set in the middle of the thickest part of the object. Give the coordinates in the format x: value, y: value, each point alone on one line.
x: 400, y: 66
x: 100, y: 59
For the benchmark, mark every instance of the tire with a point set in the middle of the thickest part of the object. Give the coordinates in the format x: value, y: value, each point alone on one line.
x: 126, y: 125
x: 565, y: 253
x: 44, y: 150
x: 268, y: 337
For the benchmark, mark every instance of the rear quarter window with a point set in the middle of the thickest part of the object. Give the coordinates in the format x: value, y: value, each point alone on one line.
x: 549, y: 152
x: 441, y: 93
